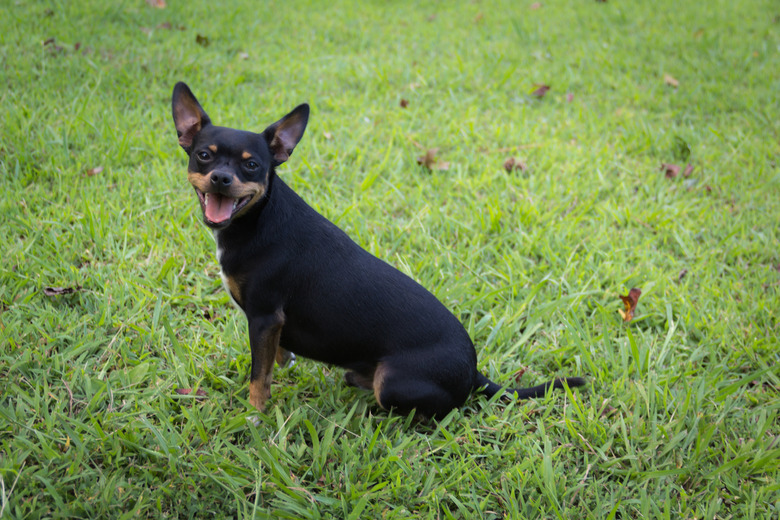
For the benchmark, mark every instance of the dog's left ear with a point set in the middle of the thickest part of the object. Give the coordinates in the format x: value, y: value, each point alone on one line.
x: 283, y: 135
x: 188, y: 115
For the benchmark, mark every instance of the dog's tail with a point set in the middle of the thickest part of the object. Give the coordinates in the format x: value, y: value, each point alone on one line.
x: 489, y: 388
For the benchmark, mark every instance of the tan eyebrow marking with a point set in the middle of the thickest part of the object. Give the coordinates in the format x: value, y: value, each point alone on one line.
x: 213, y: 148
x: 246, y: 155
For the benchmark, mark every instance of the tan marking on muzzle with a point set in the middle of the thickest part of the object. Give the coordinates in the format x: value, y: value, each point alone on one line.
x: 200, y: 181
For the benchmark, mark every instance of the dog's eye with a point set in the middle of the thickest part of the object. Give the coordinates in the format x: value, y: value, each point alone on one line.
x: 251, y: 165
x: 203, y: 156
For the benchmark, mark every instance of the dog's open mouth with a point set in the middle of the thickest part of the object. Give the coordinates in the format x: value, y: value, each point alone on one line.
x: 219, y: 209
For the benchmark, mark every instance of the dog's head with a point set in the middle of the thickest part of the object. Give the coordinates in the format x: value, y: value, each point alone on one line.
x: 230, y: 169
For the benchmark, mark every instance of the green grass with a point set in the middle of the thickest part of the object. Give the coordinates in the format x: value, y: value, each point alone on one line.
x: 680, y: 416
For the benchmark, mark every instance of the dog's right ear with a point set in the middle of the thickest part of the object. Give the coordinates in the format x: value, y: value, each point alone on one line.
x: 188, y: 115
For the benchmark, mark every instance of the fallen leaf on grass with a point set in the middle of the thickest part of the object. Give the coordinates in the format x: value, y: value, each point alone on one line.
x: 515, y: 164
x: 404, y: 103
x: 671, y: 81
x: 59, y: 291
x: 201, y: 40
x: 51, y: 46
x: 187, y: 391
x: 540, y: 91
x: 94, y: 171
x: 673, y: 170
x: 765, y: 385
x: 169, y: 26
x: 670, y: 170
x: 608, y: 411
x: 681, y: 275
x: 629, y: 302
x: 518, y: 375
x: 429, y: 160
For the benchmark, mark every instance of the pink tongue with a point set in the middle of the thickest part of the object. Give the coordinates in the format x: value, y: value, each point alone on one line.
x: 218, y: 207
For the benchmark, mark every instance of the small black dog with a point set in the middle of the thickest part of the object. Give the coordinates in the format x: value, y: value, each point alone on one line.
x: 304, y: 284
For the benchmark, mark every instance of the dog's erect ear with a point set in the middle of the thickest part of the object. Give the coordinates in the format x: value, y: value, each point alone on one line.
x: 188, y: 115
x: 283, y: 135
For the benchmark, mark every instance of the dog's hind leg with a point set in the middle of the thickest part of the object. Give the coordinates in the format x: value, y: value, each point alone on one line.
x: 403, y: 390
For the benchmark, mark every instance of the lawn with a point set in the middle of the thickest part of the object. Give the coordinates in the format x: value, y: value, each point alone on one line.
x: 650, y: 161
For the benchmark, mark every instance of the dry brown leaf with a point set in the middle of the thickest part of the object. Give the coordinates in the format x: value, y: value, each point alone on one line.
x: 59, y: 291
x: 608, y: 411
x: 540, y: 91
x: 671, y: 81
x: 688, y: 170
x: 429, y: 160
x: 201, y: 40
x: 404, y: 103
x: 670, y: 170
x: 94, y: 171
x: 514, y: 163
x: 51, y: 46
x: 187, y: 391
x: 629, y: 304
x: 681, y: 275
x: 519, y: 374
x: 764, y: 385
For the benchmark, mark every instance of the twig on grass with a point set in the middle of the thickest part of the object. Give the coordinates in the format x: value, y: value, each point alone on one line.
x: 70, y: 398
x: 6, y: 498
x: 332, y: 422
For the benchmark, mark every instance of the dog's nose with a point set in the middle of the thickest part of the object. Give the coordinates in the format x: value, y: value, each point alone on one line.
x: 221, y: 179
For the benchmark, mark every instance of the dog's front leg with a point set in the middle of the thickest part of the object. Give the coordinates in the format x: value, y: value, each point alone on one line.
x: 264, y: 333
